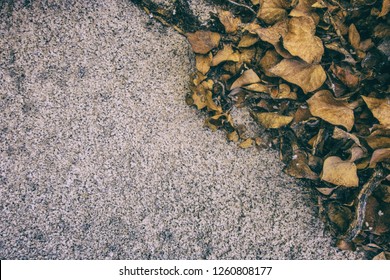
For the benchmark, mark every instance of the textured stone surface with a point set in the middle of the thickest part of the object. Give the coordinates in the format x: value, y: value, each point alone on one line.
x: 101, y: 158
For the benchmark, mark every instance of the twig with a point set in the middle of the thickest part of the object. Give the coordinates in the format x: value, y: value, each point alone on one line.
x: 365, y: 192
x: 242, y: 5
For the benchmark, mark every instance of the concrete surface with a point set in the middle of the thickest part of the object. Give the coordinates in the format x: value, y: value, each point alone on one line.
x: 100, y: 157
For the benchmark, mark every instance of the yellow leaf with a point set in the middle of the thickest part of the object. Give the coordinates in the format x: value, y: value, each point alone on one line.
x: 203, y: 41
x: 273, y: 120
x: 339, y: 172
x: 272, y: 11
x: 323, y: 105
x: 203, y: 62
x: 248, y: 40
x: 354, y: 37
x: 380, y: 108
x: 233, y: 136
x: 269, y: 60
x: 300, y: 40
x: 226, y: 54
x: 308, y: 77
x: 229, y: 21
x: 380, y: 155
x: 246, y: 144
x: 248, y: 77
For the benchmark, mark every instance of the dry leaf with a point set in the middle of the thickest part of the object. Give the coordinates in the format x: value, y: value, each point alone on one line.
x: 339, y: 172
x: 298, y: 167
x: 272, y: 11
x: 226, y: 54
x: 323, y: 105
x: 379, y: 139
x: 385, y: 8
x: 233, y: 136
x: 274, y: 33
x: 300, y: 40
x: 258, y: 87
x: 203, y: 41
x: 354, y: 37
x: 273, y: 120
x: 308, y: 77
x: 346, y: 75
x: 283, y: 92
x: 248, y: 77
x: 246, y: 144
x: 248, y: 40
x: 341, y: 134
x: 230, y: 22
x: 203, y: 62
x: 269, y: 60
x: 305, y: 9
x: 339, y: 215
x: 380, y: 155
x: 380, y: 108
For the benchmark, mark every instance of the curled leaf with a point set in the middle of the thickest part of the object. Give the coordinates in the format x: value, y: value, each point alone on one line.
x: 300, y: 40
x: 248, y: 77
x: 273, y: 120
x: 203, y: 62
x: 203, y: 41
x: 323, y: 105
x: 272, y: 11
x: 226, y: 54
x: 230, y: 22
x: 380, y: 108
x: 339, y: 172
x: 380, y: 155
x: 308, y: 77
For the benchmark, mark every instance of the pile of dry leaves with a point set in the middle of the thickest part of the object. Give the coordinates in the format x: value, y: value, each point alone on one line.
x: 313, y: 74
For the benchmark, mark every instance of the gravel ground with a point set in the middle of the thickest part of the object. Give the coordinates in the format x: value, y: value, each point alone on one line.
x: 100, y: 157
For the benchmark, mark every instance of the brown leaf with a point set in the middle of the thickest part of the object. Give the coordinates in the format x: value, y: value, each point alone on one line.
x: 272, y: 11
x: 379, y: 139
x: 308, y: 77
x: 339, y: 215
x: 274, y: 33
x: 346, y: 75
x: 203, y: 62
x: 203, y: 41
x: 341, y: 134
x: 246, y: 144
x: 283, y: 92
x: 233, y: 136
x: 248, y: 77
x: 323, y: 105
x: 354, y: 37
x: 380, y: 155
x: 248, y: 40
x: 226, y: 54
x: 258, y: 87
x: 300, y: 40
x: 382, y: 256
x: 385, y: 8
x: 230, y: 22
x: 380, y: 108
x: 339, y: 172
x: 298, y: 167
x: 269, y: 60
x: 273, y: 120
x: 305, y: 9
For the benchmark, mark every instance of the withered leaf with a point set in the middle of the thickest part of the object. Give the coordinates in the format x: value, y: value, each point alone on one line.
x: 246, y: 143
x: 298, y: 167
x: 385, y: 8
x: 339, y: 215
x: 274, y: 33
x: 283, y: 92
x: 272, y: 11
x: 323, y: 105
x: 203, y: 41
x: 300, y: 40
x: 379, y: 139
x: 258, y: 87
x: 248, y: 40
x: 248, y: 77
x: 339, y: 172
x: 269, y: 60
x: 380, y: 108
x: 228, y: 20
x: 380, y: 155
x: 273, y: 120
x: 346, y: 75
x: 233, y: 136
x: 203, y: 62
x: 226, y: 54
x: 305, y: 9
x: 354, y: 37
x: 308, y: 77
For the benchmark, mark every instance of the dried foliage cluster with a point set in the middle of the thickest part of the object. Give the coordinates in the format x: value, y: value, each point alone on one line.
x: 314, y: 75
